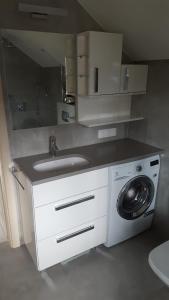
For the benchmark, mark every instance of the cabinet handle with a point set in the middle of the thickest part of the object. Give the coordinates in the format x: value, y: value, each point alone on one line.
x: 74, y: 202
x: 96, y: 80
x: 126, y: 79
x: 67, y: 237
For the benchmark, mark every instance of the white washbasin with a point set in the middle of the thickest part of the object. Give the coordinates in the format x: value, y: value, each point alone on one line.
x: 60, y: 163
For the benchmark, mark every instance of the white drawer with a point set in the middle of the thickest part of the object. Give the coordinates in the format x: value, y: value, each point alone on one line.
x: 71, y: 212
x: 70, y: 243
x: 53, y: 191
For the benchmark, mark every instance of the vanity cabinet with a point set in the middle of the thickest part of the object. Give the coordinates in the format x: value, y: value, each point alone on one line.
x: 133, y: 79
x: 98, y: 63
x: 65, y: 217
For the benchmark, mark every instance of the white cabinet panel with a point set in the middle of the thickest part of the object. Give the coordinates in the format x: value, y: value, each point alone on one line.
x: 27, y: 214
x: 70, y: 243
x: 133, y: 78
x: 105, y: 51
x: 82, y: 65
x: 55, y: 190
x: 71, y: 212
x: 102, y: 52
x: 82, y: 44
x: 64, y: 217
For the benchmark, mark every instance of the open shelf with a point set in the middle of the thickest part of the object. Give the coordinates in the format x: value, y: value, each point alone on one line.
x: 108, y: 121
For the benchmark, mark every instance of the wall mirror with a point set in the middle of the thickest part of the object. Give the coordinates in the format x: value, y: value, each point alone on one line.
x: 39, y: 71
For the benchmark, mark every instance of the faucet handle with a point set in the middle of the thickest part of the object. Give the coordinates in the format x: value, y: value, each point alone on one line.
x: 52, y: 145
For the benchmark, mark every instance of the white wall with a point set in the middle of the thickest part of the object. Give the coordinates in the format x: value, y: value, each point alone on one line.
x: 154, y: 106
x: 103, y: 107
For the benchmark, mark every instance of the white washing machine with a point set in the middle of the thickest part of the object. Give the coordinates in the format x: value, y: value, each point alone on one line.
x: 133, y: 188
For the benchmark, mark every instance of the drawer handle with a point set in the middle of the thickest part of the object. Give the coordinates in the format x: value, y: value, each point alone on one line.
x: 74, y: 202
x: 67, y: 237
x: 96, y: 80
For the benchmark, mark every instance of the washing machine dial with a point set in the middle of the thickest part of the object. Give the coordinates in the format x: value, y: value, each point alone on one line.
x: 139, y: 168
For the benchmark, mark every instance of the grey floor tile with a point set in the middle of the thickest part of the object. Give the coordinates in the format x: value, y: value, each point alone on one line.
x: 118, y: 273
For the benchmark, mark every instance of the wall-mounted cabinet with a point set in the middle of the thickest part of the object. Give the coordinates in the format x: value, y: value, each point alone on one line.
x: 133, y: 79
x: 99, y: 63
x: 104, y: 85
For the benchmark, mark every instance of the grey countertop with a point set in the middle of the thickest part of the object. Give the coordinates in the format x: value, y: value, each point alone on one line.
x: 99, y: 156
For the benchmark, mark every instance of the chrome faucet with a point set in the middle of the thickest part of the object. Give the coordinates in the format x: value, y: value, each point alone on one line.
x: 52, y: 146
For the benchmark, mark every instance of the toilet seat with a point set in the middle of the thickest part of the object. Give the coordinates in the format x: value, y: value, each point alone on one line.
x: 159, y: 262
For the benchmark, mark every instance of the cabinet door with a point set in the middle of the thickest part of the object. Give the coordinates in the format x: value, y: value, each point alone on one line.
x: 133, y: 78
x: 70, y: 243
x: 105, y: 52
x: 56, y: 190
x: 69, y: 213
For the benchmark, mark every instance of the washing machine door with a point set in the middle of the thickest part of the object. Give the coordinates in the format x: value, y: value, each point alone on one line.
x: 135, y: 197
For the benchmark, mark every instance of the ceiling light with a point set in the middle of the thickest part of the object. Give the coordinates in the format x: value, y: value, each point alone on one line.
x: 38, y: 10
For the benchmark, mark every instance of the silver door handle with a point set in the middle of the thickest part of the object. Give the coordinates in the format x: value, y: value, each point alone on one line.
x: 72, y: 235
x: 63, y: 206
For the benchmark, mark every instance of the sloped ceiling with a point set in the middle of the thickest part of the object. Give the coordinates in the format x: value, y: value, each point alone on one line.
x: 144, y: 23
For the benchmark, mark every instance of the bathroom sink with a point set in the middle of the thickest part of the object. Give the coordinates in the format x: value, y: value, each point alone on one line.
x: 59, y: 163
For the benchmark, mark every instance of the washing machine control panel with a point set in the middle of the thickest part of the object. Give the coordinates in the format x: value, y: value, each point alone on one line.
x: 123, y: 173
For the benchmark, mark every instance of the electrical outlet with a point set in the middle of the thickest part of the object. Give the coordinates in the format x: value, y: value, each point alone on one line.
x: 105, y: 133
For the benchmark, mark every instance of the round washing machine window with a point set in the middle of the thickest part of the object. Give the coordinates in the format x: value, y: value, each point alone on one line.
x: 135, y: 197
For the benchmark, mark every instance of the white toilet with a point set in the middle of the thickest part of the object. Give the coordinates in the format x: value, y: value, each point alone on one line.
x: 159, y: 262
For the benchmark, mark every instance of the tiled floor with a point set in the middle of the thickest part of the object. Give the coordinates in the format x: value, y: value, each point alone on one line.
x: 118, y: 273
